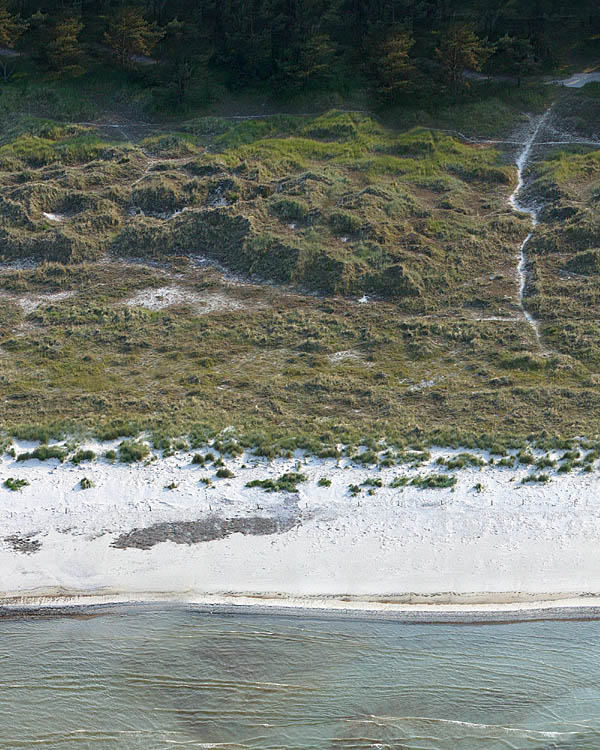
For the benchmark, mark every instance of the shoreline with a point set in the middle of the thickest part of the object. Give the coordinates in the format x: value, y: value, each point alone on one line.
x: 466, y: 609
x: 368, y: 542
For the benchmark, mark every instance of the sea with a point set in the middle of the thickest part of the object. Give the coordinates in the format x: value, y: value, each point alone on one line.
x: 147, y: 679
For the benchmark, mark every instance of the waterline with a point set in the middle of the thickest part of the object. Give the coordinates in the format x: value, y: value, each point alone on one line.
x: 157, y: 679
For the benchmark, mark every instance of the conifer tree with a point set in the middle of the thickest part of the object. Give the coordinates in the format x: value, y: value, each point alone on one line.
x: 12, y: 28
x: 129, y: 34
x: 391, y: 70
x: 461, y: 50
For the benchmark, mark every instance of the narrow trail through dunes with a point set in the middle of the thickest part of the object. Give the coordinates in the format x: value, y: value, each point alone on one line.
x: 522, y: 161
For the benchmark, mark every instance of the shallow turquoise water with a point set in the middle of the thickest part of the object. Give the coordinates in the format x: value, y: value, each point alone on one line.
x: 151, y: 680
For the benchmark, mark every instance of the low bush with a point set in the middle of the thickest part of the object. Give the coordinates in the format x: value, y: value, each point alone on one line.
x: 15, y: 485
x: 285, y: 483
x: 344, y: 222
x: 433, y: 481
x: 44, y: 453
x: 541, y: 478
x: 366, y: 457
x: 585, y: 263
x: 289, y: 209
x: 508, y: 461
x: 83, y: 455
x: 460, y: 461
x: 324, y: 482
x: 526, y: 458
x: 224, y: 473
x: 132, y: 451
x: 85, y: 483
x: 545, y: 463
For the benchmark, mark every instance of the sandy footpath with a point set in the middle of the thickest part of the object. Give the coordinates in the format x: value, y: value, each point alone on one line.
x: 503, y: 546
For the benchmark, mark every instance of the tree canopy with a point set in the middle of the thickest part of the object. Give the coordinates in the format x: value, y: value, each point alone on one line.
x: 294, y: 45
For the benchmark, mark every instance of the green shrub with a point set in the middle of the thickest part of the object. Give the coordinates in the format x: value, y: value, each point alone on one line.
x: 366, y: 457
x: 526, y: 458
x: 541, y: 478
x: 85, y: 483
x: 289, y: 209
x: 224, y: 473
x: 285, y: 483
x: 354, y: 489
x: 345, y: 223
x: 83, y: 455
x: 434, y: 481
x: 586, y: 263
x: 324, y: 482
x: 399, y: 482
x: 508, y: 461
x: 131, y: 451
x: 198, y: 459
x: 44, y: 453
x: 545, y: 462
x: 15, y: 485
x: 460, y: 461
x: 110, y: 455
x: 373, y: 482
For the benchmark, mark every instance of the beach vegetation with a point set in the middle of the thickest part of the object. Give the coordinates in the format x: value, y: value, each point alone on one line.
x: 133, y: 451
x: 324, y: 482
x: 545, y: 462
x: 224, y: 473
x: 15, y: 485
x: 507, y: 461
x: 83, y: 455
x: 460, y: 461
x: 44, y: 453
x: 287, y: 482
x: 526, y: 457
x: 433, y: 481
x: 537, y: 478
x: 85, y: 483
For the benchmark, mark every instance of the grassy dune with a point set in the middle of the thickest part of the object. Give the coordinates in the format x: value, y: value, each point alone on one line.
x: 325, y: 209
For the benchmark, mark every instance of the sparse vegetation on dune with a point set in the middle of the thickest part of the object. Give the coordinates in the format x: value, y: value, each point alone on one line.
x: 326, y: 208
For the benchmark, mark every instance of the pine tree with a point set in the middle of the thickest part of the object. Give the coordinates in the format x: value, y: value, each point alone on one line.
x: 183, y: 62
x: 461, y: 50
x: 129, y: 34
x: 12, y: 28
x: 391, y: 70
x: 309, y: 62
x: 61, y: 50
x: 514, y: 56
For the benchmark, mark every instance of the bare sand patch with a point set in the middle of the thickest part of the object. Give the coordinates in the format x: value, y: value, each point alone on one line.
x: 171, y: 296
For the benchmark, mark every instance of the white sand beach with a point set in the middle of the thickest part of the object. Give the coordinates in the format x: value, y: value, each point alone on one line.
x: 490, y: 542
